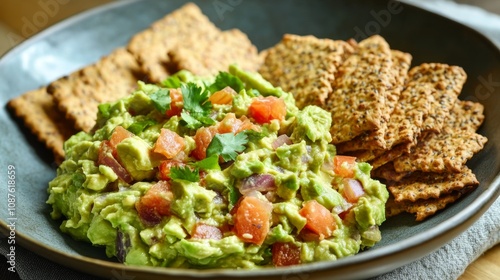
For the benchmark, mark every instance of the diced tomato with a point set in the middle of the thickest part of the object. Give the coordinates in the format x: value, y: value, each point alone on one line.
x: 266, y: 109
x: 319, y: 219
x: 202, y: 138
x: 252, y: 219
x: 232, y: 124
x: 175, y: 103
x: 165, y: 166
x: 344, y: 166
x: 353, y: 190
x: 308, y: 235
x: 155, y: 204
x: 204, y: 231
x: 119, y: 134
x: 223, y: 96
x: 169, y: 143
x: 107, y: 156
x: 285, y: 254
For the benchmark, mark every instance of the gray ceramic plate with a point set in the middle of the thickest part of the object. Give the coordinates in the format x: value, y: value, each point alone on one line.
x: 84, y: 38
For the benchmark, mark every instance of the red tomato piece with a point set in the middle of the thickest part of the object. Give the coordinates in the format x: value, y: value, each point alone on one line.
x: 344, y: 166
x: 285, y: 254
x: 204, y: 231
x: 202, y: 138
x: 107, y: 156
x: 319, y: 219
x: 223, y: 96
x: 232, y: 124
x: 165, y: 166
x: 175, y: 103
x: 155, y: 204
x: 119, y: 134
x: 266, y: 109
x: 169, y: 143
x: 252, y: 219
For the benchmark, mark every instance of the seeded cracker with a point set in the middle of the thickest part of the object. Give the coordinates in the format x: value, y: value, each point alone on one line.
x: 447, y: 82
x: 424, y: 208
x: 305, y: 66
x: 375, y: 139
x: 152, y: 45
x: 426, y: 185
x: 206, y: 58
x: 38, y: 111
x: 450, y: 150
x: 79, y: 94
x: 388, y: 173
x: 360, y: 90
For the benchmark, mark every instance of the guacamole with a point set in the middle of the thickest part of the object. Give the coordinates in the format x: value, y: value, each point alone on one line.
x: 221, y: 172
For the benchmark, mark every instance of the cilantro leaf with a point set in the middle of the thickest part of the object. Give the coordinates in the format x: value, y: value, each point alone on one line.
x: 172, y: 82
x: 161, y: 100
x: 254, y: 136
x: 104, y: 109
x: 184, y: 173
x: 139, y: 126
x: 197, y: 107
x: 233, y: 195
x: 224, y: 79
x: 211, y: 162
x: 227, y: 145
x: 190, y: 121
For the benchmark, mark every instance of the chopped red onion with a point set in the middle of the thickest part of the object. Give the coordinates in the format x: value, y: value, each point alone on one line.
x: 257, y: 182
x: 283, y: 139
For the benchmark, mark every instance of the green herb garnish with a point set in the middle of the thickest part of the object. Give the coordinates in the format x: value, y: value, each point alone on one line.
x: 227, y: 145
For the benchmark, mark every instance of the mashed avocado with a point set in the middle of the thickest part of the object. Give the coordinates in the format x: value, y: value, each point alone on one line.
x: 215, y: 173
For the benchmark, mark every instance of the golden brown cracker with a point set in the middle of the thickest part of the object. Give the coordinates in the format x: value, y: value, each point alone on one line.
x: 387, y: 173
x: 360, y: 90
x: 304, y: 66
x: 152, y: 45
x: 375, y: 139
x: 424, y: 208
x: 465, y: 116
x: 109, y: 79
x: 389, y: 155
x: 450, y: 150
x: 405, y: 124
x: 39, y: 113
x: 447, y: 82
x: 425, y: 185
x: 441, y: 153
x: 208, y: 56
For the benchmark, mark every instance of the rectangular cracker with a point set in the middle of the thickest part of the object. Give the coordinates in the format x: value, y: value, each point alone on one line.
x: 40, y: 115
x: 450, y: 150
x: 375, y: 139
x: 387, y: 173
x: 305, y: 66
x: 426, y: 207
x: 78, y: 95
x: 358, y: 102
x: 152, y: 45
x: 441, y: 153
x: 389, y: 155
x: 206, y: 56
x: 426, y: 185
x: 465, y: 116
x: 447, y: 82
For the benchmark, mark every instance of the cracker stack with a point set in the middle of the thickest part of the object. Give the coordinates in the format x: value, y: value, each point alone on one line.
x: 407, y: 123
x: 183, y: 39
